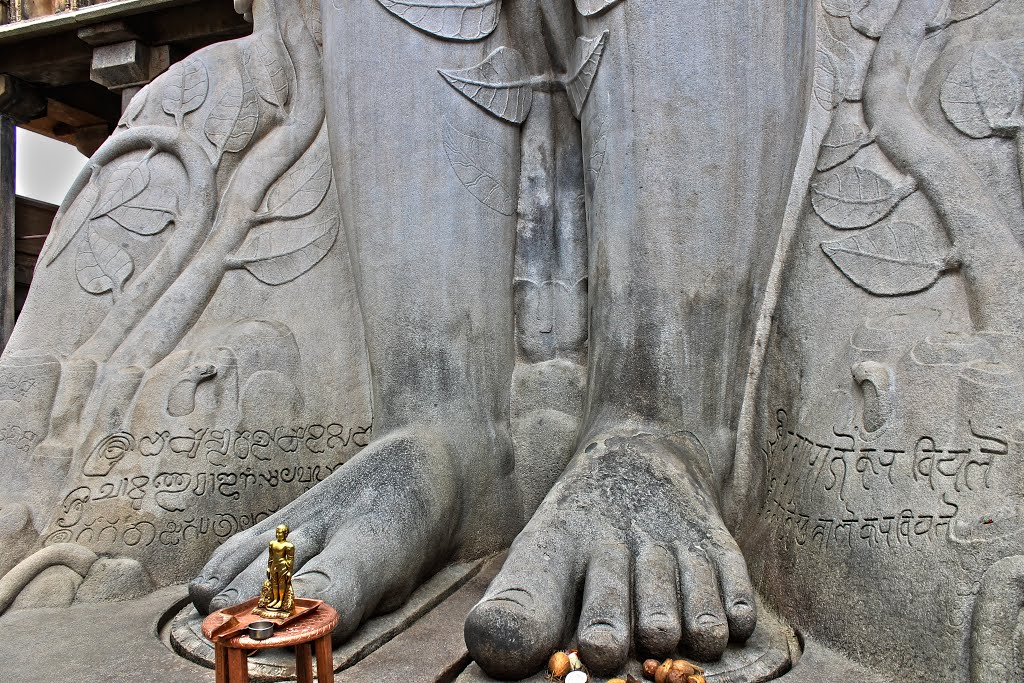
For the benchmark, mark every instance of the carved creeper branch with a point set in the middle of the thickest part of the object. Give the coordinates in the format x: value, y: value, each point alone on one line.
x: 991, y: 259
x: 147, y: 322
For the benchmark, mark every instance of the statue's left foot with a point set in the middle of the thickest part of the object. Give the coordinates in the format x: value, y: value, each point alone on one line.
x: 634, y: 523
x: 364, y: 538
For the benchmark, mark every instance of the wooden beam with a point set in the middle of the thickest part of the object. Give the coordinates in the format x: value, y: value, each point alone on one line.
x: 206, y: 22
x: 19, y: 100
x: 107, y: 33
x: 57, y: 23
x: 54, y: 60
x: 7, y: 149
x: 63, y: 58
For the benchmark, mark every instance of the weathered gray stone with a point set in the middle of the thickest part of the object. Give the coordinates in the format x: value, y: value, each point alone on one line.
x: 55, y: 586
x: 118, y: 578
x: 117, y: 64
x: 153, y: 404
x: 889, y: 398
x: 714, y: 310
x: 115, y: 642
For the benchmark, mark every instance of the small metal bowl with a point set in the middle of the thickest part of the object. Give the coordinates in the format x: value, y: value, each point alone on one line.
x: 261, y: 630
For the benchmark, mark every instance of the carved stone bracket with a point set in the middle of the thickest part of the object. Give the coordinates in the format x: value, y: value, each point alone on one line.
x: 121, y: 62
x: 127, y: 64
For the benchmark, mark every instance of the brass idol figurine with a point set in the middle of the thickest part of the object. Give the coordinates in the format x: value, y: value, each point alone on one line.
x: 277, y: 598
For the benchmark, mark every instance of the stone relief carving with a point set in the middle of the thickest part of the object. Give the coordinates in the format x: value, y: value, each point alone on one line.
x: 183, y: 408
x: 708, y: 314
x: 890, y: 431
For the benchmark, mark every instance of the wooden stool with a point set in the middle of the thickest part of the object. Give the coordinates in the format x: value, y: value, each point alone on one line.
x: 310, y: 630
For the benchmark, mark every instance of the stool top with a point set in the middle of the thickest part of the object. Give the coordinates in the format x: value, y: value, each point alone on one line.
x: 305, y: 628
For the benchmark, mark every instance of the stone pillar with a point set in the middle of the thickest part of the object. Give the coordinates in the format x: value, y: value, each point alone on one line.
x: 19, y: 101
x: 7, y: 146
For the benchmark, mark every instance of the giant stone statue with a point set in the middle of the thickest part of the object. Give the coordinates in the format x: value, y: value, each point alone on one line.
x: 712, y: 312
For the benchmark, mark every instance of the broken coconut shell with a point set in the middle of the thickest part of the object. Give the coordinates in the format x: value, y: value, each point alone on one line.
x: 558, y: 665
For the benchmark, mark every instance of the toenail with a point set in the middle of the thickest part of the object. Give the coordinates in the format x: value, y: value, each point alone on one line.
x: 517, y: 596
x: 312, y: 581
x: 741, y: 607
x: 709, y: 621
x: 219, y: 603
x: 660, y: 622
x: 600, y: 634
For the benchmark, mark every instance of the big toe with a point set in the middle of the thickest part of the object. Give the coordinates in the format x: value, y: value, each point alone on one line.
x: 367, y: 567
x: 226, y: 564
x: 519, y: 623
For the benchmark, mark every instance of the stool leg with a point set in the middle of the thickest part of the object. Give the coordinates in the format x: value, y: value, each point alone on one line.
x: 303, y: 663
x: 238, y: 666
x: 324, y: 660
x: 220, y: 663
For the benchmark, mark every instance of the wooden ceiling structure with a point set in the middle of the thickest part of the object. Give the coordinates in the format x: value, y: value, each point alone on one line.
x: 67, y: 70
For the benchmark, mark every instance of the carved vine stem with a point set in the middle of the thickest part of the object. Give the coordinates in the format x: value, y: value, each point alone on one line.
x: 164, y: 302
x: 193, y: 225
x: 182, y: 304
x: 193, y: 286
x: 990, y: 256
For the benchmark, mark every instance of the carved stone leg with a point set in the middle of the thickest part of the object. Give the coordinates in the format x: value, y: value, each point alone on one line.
x: 688, y: 173
x: 432, y: 249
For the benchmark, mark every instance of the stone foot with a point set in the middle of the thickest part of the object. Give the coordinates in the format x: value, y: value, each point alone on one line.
x: 631, y: 529
x: 365, y: 537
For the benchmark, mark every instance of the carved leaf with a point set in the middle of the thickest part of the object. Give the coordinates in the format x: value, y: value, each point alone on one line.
x: 854, y: 197
x: 843, y: 64
x: 452, y: 19
x: 867, y: 16
x: 125, y: 183
x: 72, y: 221
x: 149, y: 213
x: 958, y: 10
x: 842, y: 8
x: 598, y: 149
x: 826, y: 80
x: 500, y: 84
x: 981, y: 95
x: 314, y: 22
x: 888, y: 260
x: 185, y: 88
x: 303, y: 188
x: 589, y: 8
x: 586, y: 57
x: 873, y: 16
x: 102, y: 266
x: 265, y: 60
x: 134, y: 108
x: 277, y: 254
x: 842, y: 141
x: 482, y: 167
x: 233, y: 121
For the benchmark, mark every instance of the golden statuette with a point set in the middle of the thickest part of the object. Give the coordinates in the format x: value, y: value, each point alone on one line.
x: 277, y: 600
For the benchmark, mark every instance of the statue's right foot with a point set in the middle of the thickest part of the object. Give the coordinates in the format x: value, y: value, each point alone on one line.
x: 364, y: 538
x: 628, y: 547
